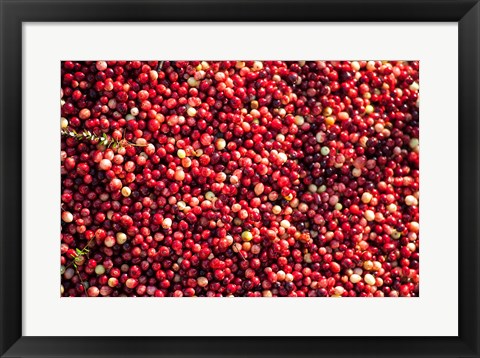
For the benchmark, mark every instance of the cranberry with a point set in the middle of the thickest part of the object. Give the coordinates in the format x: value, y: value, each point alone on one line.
x: 240, y: 178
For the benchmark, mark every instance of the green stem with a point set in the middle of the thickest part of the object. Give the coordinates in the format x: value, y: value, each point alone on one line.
x: 82, y: 252
x: 83, y: 283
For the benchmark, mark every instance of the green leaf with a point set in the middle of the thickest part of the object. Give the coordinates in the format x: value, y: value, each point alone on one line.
x: 75, y: 265
x: 78, y: 251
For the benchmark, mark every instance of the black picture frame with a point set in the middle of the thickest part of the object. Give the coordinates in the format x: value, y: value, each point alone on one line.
x: 15, y: 12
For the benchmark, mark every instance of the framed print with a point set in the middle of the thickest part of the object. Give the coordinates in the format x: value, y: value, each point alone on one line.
x: 241, y: 179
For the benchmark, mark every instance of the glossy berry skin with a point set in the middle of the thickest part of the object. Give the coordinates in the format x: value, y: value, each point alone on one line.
x: 240, y: 178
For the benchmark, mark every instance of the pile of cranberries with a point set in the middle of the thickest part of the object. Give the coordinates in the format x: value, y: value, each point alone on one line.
x: 240, y: 178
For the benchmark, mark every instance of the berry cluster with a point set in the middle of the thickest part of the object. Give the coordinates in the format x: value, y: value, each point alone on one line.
x: 240, y: 178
